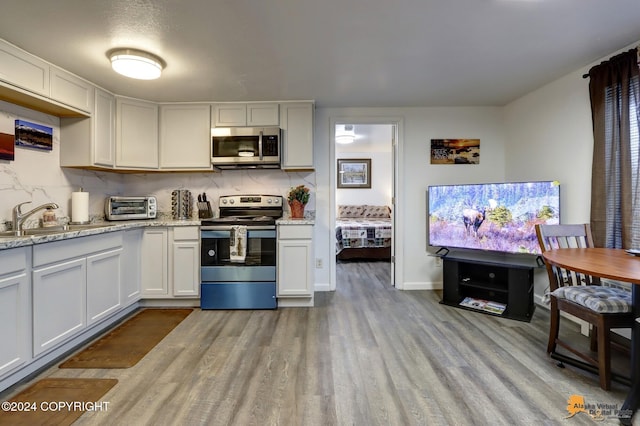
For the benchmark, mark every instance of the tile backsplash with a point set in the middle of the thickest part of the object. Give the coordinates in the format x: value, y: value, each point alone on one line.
x: 36, y: 176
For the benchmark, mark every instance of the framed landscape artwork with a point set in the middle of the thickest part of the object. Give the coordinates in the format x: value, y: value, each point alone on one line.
x: 354, y: 173
x: 7, y: 144
x: 455, y: 151
x: 32, y: 135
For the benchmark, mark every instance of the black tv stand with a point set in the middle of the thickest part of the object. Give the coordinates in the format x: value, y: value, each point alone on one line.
x: 507, y: 281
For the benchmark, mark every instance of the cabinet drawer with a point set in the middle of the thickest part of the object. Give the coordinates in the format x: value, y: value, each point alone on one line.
x: 13, y: 260
x: 296, y: 232
x: 58, y: 251
x: 186, y: 233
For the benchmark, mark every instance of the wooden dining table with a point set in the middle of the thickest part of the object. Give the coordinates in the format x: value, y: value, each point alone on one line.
x: 615, y: 264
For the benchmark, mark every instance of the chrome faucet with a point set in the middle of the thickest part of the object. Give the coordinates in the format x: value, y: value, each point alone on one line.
x: 18, y: 217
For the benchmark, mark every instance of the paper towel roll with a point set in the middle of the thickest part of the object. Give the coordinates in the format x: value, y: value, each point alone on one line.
x: 79, y: 207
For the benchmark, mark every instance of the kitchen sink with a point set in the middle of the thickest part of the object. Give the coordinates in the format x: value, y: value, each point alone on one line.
x: 30, y: 232
x: 52, y: 230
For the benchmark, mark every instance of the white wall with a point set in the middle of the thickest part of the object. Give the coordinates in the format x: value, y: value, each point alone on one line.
x: 550, y: 137
x: 376, y: 147
x: 419, y: 126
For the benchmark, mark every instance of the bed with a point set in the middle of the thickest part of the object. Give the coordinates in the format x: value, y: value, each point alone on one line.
x: 363, y: 232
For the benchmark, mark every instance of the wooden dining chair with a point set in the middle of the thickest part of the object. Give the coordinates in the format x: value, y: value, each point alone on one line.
x: 584, y: 297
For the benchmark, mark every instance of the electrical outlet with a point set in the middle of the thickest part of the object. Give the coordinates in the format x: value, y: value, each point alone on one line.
x: 438, y: 261
x: 318, y: 263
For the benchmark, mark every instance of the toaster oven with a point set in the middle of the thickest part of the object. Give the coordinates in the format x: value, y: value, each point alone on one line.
x: 130, y: 208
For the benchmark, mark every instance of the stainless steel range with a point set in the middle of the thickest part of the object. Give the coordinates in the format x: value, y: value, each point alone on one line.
x: 238, y: 253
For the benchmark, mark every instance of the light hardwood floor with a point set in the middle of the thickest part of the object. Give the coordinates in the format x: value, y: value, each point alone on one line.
x: 366, y: 354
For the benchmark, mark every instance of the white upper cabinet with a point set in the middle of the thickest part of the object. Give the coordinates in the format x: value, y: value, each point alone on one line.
x: 90, y: 142
x: 104, y: 129
x: 136, y: 134
x: 296, y: 122
x: 71, y: 90
x: 240, y: 115
x: 263, y: 114
x: 23, y: 70
x: 225, y: 115
x: 185, y: 137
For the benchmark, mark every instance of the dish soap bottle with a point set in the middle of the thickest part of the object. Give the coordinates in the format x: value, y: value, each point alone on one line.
x: 49, y: 218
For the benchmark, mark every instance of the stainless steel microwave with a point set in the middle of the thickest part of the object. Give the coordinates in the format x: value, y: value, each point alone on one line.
x: 130, y: 208
x: 246, y: 147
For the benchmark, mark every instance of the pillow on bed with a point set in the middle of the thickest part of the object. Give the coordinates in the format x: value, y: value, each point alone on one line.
x: 346, y: 211
x: 376, y: 212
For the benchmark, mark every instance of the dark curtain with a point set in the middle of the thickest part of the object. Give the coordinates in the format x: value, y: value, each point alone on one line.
x: 614, y: 92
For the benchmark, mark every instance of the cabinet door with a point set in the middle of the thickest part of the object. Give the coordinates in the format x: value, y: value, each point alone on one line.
x: 103, y: 285
x: 15, y: 307
x: 229, y: 115
x: 297, y: 135
x: 294, y: 268
x: 136, y: 134
x: 59, y: 303
x: 24, y: 70
x: 263, y: 115
x: 71, y: 90
x: 185, y: 137
x: 131, y: 256
x: 104, y: 123
x: 154, y: 263
x: 185, y: 276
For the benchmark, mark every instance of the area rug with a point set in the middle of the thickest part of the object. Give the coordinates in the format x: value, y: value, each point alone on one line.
x: 127, y: 344
x: 55, y: 401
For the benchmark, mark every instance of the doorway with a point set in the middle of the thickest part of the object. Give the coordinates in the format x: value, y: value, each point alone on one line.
x: 364, y: 162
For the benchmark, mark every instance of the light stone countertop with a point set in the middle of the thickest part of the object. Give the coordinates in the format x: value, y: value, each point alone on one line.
x: 8, y: 242
x: 28, y: 240
x: 308, y: 219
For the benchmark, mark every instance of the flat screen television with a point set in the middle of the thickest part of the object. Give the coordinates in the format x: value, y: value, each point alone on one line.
x: 497, y: 217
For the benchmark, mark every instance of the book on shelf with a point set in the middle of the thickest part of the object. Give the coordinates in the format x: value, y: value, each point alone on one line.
x: 484, y: 305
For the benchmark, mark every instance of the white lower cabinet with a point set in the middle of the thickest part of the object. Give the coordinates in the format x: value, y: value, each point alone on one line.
x: 103, y: 294
x: 185, y: 261
x: 154, y: 279
x: 295, y: 254
x: 74, y: 283
x: 59, y: 308
x: 130, y: 272
x: 15, y: 309
x: 171, y: 262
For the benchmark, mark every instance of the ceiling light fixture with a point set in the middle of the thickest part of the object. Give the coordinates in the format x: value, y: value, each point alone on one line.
x: 135, y: 63
x: 345, y: 134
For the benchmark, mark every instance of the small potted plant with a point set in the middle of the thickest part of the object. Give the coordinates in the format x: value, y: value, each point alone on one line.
x: 298, y: 198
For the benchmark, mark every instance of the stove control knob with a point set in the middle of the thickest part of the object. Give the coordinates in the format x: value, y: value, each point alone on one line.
x: 224, y: 201
x: 231, y: 201
x: 269, y: 201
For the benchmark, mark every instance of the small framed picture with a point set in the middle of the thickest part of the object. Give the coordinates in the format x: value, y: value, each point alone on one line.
x: 354, y: 173
x: 7, y: 144
x: 32, y: 135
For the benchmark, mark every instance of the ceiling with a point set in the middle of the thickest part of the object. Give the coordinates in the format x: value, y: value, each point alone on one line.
x: 340, y: 53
